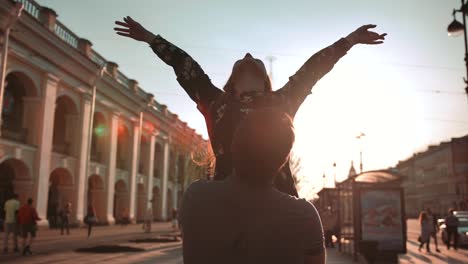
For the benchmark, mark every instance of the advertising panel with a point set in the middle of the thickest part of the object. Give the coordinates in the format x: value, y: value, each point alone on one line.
x: 382, y: 218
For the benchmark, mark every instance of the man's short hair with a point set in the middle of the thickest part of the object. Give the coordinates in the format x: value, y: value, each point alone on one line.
x: 261, y: 144
x: 30, y: 201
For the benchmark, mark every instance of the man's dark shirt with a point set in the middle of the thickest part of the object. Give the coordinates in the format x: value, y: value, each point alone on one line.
x: 247, y: 225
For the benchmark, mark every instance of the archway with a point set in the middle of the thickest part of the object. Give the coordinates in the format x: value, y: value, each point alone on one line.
x: 142, y: 201
x: 65, y: 124
x: 123, y: 147
x: 60, y: 193
x: 15, y: 125
x: 172, y: 166
x: 100, y: 131
x: 97, y: 196
x: 121, y: 200
x: 14, y: 178
x: 170, y: 204
x: 144, y: 153
x: 180, y: 169
x: 158, y: 161
x: 180, y: 194
x: 156, y: 200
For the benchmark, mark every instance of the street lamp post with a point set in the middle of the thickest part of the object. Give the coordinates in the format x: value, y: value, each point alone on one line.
x: 359, y: 137
x: 456, y: 28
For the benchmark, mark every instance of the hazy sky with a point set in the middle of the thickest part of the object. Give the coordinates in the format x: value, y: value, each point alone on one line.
x: 404, y: 94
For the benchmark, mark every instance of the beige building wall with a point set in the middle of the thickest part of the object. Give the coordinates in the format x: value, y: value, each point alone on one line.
x: 58, y: 144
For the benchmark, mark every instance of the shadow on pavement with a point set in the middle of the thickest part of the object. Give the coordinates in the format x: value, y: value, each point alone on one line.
x: 420, y: 257
x: 158, y: 239
x: 406, y: 259
x: 109, y: 249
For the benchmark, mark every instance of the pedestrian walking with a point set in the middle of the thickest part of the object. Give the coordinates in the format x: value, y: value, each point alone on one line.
x: 329, y: 221
x: 90, y: 218
x: 124, y: 217
x: 174, y: 218
x: 65, y: 215
x: 249, y: 221
x: 426, y: 230
x: 11, y: 225
x: 27, y: 218
x: 435, y: 228
x: 451, y: 221
x: 148, y: 219
x: 247, y: 88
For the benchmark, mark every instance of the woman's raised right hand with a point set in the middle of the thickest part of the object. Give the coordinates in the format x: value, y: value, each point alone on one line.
x: 132, y: 29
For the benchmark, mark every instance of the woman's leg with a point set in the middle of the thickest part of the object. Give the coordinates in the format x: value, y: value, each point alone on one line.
x: 449, y: 237
x: 434, y: 235
x: 68, y: 226
x: 90, y: 226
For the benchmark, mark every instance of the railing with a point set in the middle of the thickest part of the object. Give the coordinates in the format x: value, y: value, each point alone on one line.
x: 66, y: 35
x: 31, y: 8
x: 19, y: 135
x: 141, y: 93
x: 98, y: 59
x: 96, y: 156
x: 121, y: 78
x: 63, y: 148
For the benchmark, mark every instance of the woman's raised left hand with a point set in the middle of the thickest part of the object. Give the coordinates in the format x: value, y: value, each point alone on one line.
x: 362, y: 35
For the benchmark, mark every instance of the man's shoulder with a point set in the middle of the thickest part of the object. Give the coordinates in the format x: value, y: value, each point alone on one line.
x: 201, y: 188
x: 197, y: 185
x: 295, y: 203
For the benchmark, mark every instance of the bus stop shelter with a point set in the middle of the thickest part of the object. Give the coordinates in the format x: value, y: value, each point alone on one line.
x: 372, y: 216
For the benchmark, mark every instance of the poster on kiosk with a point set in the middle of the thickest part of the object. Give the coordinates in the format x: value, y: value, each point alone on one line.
x: 382, y: 219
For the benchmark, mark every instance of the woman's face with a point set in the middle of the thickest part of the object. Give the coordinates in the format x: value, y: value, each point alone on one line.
x: 251, y: 68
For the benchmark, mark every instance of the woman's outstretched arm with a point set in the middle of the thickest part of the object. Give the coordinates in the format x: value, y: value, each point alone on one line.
x: 189, y: 73
x: 301, y: 83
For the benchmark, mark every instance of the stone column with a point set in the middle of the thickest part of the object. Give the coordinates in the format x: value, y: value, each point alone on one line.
x: 187, y: 175
x: 150, y: 161
x: 44, y: 151
x: 164, y: 180
x: 111, y: 163
x: 176, y: 181
x: 134, y: 169
x: 31, y: 119
x: 82, y: 172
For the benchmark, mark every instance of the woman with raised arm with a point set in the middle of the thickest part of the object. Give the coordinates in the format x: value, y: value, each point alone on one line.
x: 247, y: 88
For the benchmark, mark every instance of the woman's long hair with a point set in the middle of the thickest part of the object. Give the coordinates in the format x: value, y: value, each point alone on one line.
x: 229, y: 87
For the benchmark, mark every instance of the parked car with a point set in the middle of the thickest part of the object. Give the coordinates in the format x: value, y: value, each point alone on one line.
x: 462, y: 228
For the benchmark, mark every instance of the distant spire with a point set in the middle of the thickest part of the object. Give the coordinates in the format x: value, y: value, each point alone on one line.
x: 324, y: 179
x: 335, y: 182
x: 352, y: 170
x: 270, y: 60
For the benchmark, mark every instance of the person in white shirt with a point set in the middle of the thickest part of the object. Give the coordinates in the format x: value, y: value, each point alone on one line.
x: 11, y: 209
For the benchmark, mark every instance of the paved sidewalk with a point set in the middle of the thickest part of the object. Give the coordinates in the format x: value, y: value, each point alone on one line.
x: 336, y: 257
x: 49, y: 241
x: 51, y: 247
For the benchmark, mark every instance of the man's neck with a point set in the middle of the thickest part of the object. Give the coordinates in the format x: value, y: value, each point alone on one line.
x: 242, y: 180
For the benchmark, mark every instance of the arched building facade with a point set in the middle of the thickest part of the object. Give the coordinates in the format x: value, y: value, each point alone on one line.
x: 129, y: 154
